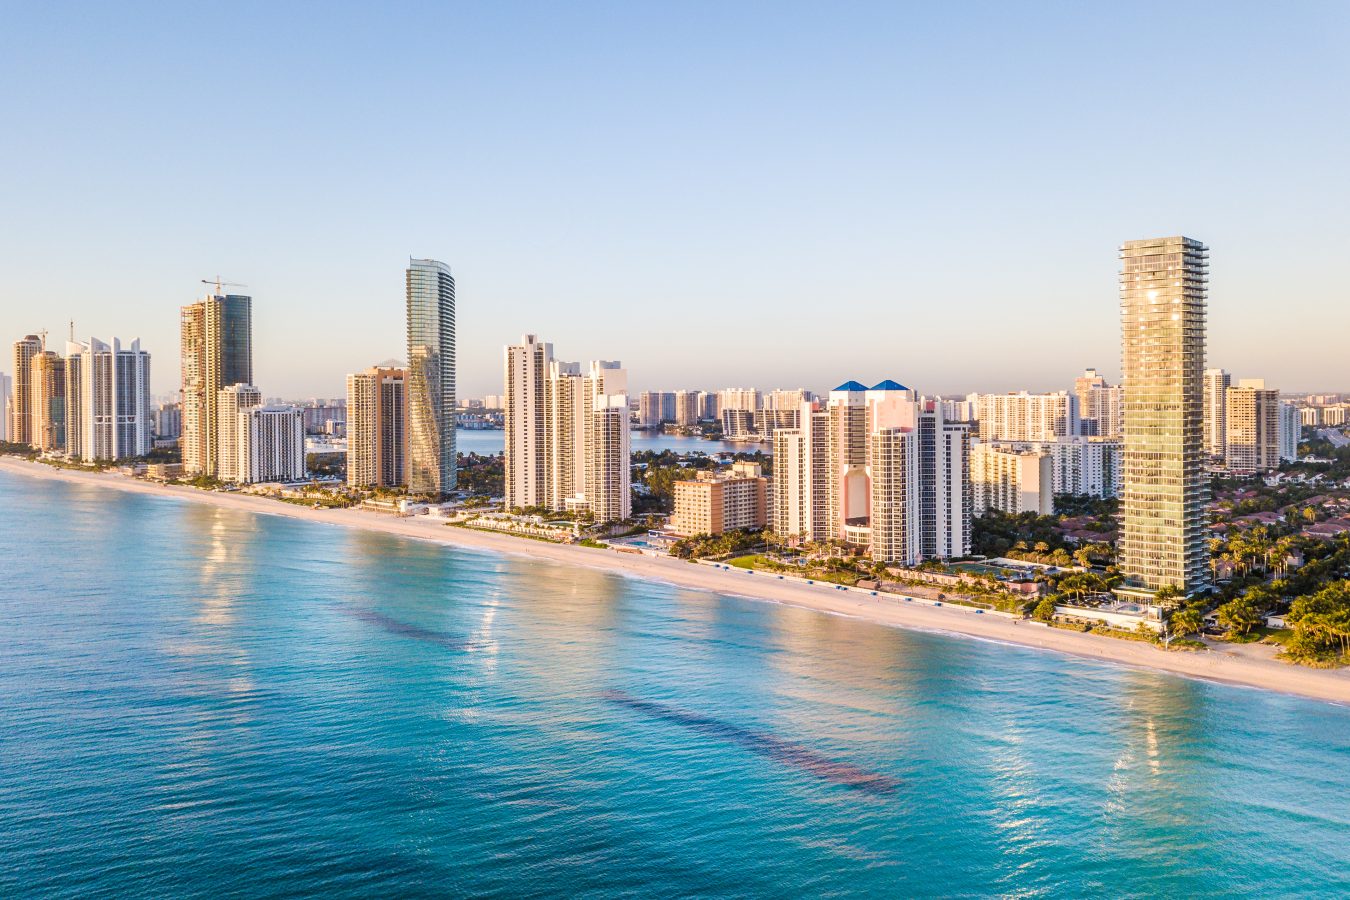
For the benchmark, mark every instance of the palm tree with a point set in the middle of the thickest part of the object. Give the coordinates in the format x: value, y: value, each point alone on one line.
x: 1169, y: 596
x: 1186, y: 620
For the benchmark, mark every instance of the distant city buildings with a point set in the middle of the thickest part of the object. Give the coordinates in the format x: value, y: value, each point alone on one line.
x: 1023, y: 416
x: 746, y: 399
x: 431, y: 378
x: 1162, y: 296
x: 377, y: 428
x: 686, y: 408
x: 168, y: 422
x: 709, y: 406
x: 326, y: 417
x: 655, y: 408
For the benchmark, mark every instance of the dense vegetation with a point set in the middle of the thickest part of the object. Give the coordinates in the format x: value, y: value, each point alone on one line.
x: 705, y: 546
x: 482, y: 476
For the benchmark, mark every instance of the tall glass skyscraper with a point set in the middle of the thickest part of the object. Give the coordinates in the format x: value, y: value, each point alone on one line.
x: 1163, y: 284
x: 216, y: 335
x: 431, y: 378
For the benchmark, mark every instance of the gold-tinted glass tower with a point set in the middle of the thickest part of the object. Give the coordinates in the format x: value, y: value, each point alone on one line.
x: 1163, y: 284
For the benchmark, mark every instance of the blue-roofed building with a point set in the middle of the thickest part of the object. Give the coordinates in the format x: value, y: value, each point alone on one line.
x: 851, y: 386
x: 889, y: 385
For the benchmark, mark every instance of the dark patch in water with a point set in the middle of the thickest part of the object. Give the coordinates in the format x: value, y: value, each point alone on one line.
x: 769, y: 745
x: 404, y: 629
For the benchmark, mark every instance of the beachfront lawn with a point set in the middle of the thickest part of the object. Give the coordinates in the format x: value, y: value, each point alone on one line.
x: 762, y: 563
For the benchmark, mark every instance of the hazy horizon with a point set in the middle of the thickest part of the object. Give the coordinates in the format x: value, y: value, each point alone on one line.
x: 782, y: 196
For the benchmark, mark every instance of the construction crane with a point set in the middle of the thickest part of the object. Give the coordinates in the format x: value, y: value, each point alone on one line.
x: 222, y: 284
x: 43, y: 334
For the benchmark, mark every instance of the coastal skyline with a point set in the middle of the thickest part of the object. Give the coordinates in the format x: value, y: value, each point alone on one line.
x: 921, y: 165
x: 707, y: 450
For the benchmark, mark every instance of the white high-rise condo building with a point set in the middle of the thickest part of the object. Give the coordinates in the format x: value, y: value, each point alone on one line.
x: 1217, y: 382
x: 1163, y: 285
x: 216, y: 335
x: 431, y: 378
x: 709, y: 405
x: 1291, y: 429
x: 1251, y: 427
x: 686, y: 408
x: 1085, y: 466
x: 801, y: 495
x: 108, y: 415
x: 1083, y: 384
x: 271, y: 444
x: 879, y: 469
x: 652, y: 408
x: 1023, y: 416
x: 738, y: 398
x: 787, y: 399
x: 609, y: 459
x: 1104, y: 413
x: 567, y: 433
x: 231, y: 450
x: 6, y: 399
x: 526, y: 374
x: 377, y: 428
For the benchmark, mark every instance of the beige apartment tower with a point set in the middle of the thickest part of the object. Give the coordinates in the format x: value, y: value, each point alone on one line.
x: 21, y: 406
x: 1251, y: 428
x: 377, y: 428
x: 1163, y: 287
x: 526, y: 371
x: 47, y: 402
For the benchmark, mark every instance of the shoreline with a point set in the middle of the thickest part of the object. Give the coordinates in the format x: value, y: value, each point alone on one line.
x: 1228, y: 667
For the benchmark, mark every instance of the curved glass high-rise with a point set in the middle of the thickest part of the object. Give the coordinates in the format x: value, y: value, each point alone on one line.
x: 431, y: 378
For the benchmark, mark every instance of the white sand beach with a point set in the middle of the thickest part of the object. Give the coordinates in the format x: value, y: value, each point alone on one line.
x: 1246, y: 665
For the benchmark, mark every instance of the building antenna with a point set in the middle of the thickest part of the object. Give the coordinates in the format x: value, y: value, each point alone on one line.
x: 72, y: 331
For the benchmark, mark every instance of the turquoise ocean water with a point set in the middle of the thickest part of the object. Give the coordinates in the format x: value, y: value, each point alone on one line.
x: 198, y: 702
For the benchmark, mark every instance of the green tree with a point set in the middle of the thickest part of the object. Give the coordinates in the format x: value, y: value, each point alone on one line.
x: 1169, y: 596
x: 1239, y: 614
x: 1045, y: 610
x: 1186, y: 620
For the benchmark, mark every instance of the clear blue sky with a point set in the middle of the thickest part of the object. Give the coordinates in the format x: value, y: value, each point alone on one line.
x: 717, y: 194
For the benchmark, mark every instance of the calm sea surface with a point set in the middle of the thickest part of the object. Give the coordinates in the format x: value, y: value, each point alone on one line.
x: 198, y: 702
